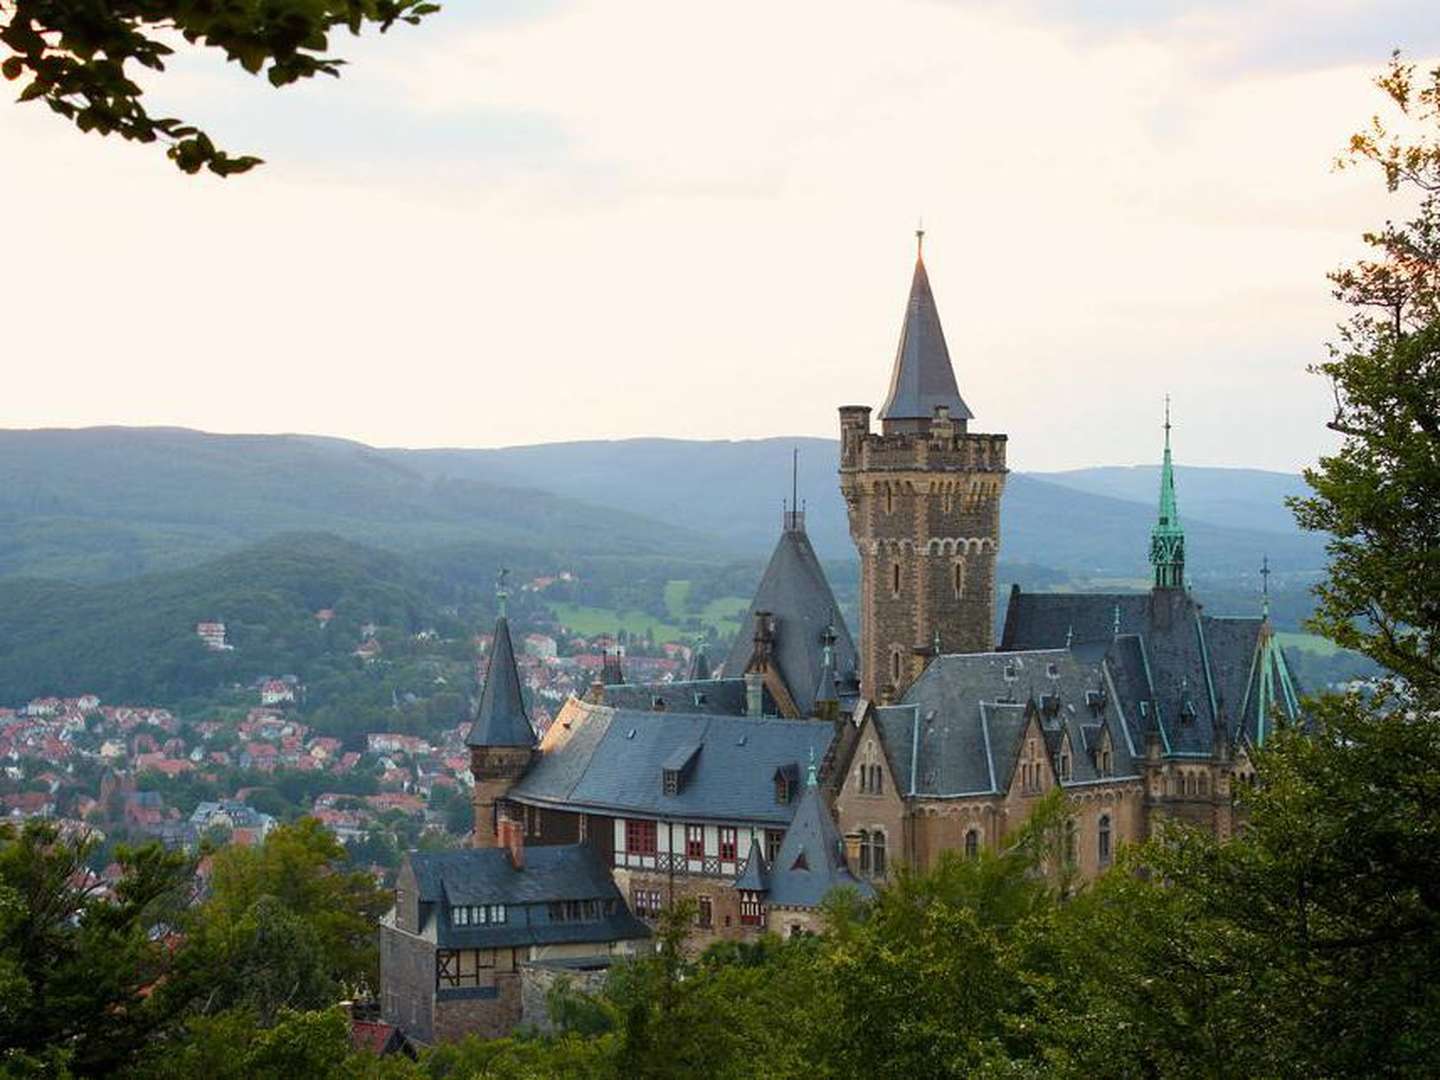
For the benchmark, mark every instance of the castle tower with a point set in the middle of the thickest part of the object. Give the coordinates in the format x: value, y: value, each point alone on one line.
x: 1167, y: 538
x: 501, y: 740
x: 924, y: 504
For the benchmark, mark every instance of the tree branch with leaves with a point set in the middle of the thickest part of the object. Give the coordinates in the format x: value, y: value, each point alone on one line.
x: 77, y: 56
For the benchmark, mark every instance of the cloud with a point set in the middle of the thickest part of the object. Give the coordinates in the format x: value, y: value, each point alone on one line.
x: 661, y: 218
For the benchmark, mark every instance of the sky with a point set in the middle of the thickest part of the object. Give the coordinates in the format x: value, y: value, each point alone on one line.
x: 593, y: 219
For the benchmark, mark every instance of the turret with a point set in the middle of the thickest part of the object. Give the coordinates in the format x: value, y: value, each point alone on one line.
x: 501, y: 739
x: 923, y: 498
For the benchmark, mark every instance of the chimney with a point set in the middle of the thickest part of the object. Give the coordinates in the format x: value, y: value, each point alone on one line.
x: 852, y: 851
x: 512, y: 839
x: 754, y: 693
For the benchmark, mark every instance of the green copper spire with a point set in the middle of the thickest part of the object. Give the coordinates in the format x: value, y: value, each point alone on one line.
x: 1167, y: 539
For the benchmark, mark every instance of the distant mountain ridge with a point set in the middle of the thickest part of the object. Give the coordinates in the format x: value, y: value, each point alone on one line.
x: 105, y: 504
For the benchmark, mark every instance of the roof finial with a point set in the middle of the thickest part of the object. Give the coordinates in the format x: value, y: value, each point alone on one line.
x: 1167, y: 421
x: 1117, y: 620
x: 920, y: 239
x: 1069, y: 635
x: 500, y: 594
x: 810, y: 780
x: 1265, y: 587
x: 795, y: 478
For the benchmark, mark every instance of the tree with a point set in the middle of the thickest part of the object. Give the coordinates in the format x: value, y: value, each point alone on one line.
x: 1379, y: 495
x: 76, y: 967
x: 73, y: 55
x: 286, y: 926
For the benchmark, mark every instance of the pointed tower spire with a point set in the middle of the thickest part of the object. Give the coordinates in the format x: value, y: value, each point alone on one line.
x: 1265, y: 588
x: 1167, y: 539
x: 501, y: 719
x: 923, y: 379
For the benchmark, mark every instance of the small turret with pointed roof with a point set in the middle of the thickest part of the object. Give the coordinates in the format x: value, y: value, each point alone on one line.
x: 501, y: 739
x: 1167, y: 539
x: 810, y: 862
x: 699, y: 663
x: 501, y: 719
x: 923, y: 379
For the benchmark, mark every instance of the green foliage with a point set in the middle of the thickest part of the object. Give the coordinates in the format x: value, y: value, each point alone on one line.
x: 303, y: 869
x: 76, y: 968
x: 1379, y: 495
x: 73, y: 56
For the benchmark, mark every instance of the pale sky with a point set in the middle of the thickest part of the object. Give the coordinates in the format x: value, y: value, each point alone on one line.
x: 533, y: 222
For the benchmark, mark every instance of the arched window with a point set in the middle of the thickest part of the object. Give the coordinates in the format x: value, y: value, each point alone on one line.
x: 959, y: 579
x: 864, y: 852
x: 972, y: 843
x: 1204, y: 784
x: 895, y: 666
x: 877, y: 858
x: 895, y: 578
x: 877, y: 781
x: 1103, y: 840
x: 889, y: 499
x: 1065, y: 761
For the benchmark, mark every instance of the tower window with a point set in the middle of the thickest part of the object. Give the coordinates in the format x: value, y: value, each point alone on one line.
x: 895, y: 667
x: 1103, y: 840
x: 958, y: 574
x: 889, y: 500
x: 895, y: 578
x: 972, y: 843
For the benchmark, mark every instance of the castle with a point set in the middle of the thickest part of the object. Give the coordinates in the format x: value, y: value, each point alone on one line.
x: 810, y: 762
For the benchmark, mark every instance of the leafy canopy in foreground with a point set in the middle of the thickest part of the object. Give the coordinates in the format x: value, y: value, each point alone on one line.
x: 73, y: 55
x: 1379, y: 495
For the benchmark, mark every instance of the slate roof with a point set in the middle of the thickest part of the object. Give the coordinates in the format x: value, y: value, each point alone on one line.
x: 722, y: 696
x: 604, y: 760
x: 551, y: 873
x: 810, y: 862
x: 923, y: 377
x: 959, y: 729
x: 756, y: 877
x: 795, y: 591
x: 501, y: 718
x: 1176, y: 669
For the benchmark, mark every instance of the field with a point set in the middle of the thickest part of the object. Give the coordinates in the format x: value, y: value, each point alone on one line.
x: 723, y: 613
x: 1310, y: 643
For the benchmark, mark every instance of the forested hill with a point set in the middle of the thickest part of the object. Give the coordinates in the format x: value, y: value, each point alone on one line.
x: 102, y: 504
x: 135, y: 640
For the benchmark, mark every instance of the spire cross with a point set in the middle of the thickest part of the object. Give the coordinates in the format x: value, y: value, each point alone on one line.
x: 1265, y: 586
x: 920, y: 238
x: 500, y: 593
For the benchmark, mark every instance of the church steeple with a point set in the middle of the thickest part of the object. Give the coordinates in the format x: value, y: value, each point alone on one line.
x: 1167, y: 538
x: 922, y: 379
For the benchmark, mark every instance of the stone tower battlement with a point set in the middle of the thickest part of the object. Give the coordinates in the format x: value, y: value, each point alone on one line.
x: 923, y: 498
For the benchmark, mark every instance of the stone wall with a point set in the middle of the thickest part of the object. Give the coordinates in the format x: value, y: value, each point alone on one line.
x: 459, y: 1013
x: 407, y: 983
x: 924, y: 513
x: 536, y: 982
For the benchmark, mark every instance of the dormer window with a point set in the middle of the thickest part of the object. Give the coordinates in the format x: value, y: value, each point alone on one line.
x: 477, y: 914
x: 787, y: 784
x: 670, y: 781
x: 1065, y: 760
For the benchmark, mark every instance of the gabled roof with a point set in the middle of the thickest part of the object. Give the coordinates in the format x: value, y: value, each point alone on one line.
x: 486, y: 876
x: 1187, y: 675
x: 810, y: 862
x: 483, y: 876
x: 501, y: 719
x: 797, y: 594
x: 600, y: 759
x: 923, y: 377
x: 959, y: 730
